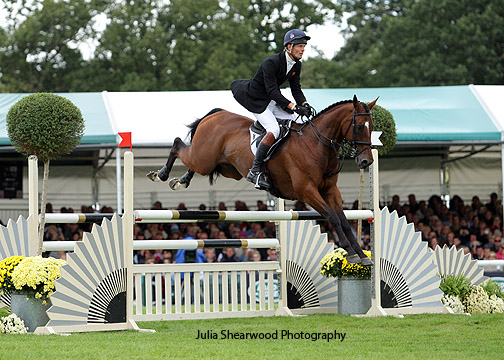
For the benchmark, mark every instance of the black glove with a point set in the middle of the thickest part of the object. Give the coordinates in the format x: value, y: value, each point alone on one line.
x: 310, y: 109
x: 302, y: 110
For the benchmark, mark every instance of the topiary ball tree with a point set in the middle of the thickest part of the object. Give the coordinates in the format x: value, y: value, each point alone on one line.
x: 384, y: 121
x: 47, y: 126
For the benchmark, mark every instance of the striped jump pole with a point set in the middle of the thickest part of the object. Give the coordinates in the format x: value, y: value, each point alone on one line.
x: 178, y: 244
x: 145, y: 216
x: 77, y: 218
x: 165, y: 216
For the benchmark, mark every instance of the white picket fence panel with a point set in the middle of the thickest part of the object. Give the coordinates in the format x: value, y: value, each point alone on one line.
x: 161, y: 290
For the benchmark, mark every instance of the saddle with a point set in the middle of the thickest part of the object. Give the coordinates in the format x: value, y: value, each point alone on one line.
x: 257, y: 132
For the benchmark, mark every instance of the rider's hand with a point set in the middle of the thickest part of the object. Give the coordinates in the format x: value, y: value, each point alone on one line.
x: 302, y: 110
x: 306, y: 105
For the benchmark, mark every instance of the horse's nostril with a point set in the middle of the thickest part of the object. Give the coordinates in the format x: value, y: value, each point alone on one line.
x: 363, y: 164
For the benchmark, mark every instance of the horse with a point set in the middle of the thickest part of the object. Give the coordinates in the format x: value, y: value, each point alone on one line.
x: 304, y: 167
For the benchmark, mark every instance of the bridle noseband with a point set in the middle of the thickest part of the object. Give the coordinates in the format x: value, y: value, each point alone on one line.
x: 348, y: 148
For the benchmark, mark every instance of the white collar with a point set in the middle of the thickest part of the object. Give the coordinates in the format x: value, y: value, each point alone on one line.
x: 290, y: 62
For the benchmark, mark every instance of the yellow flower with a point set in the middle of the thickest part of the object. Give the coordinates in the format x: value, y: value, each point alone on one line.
x: 37, y: 275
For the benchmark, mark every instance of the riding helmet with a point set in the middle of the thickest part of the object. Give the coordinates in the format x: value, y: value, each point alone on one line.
x: 295, y: 36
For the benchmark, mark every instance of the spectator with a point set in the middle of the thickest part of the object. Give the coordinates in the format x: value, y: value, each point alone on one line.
x: 228, y: 255
x: 157, y: 206
x: 210, y: 255
x: 272, y: 255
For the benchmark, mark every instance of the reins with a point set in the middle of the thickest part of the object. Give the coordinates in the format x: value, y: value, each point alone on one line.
x: 348, y: 148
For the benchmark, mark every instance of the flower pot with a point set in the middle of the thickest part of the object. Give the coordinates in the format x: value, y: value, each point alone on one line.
x: 354, y: 295
x: 31, y: 310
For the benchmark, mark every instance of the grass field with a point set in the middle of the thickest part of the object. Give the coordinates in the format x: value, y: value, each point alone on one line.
x: 412, y: 337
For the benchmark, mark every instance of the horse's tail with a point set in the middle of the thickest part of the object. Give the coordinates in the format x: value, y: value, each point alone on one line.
x: 195, y: 124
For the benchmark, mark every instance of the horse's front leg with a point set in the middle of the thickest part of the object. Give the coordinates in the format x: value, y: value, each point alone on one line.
x: 164, y: 172
x: 333, y: 197
x: 311, y: 196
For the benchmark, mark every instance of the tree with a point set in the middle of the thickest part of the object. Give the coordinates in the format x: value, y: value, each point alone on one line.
x: 456, y: 42
x: 40, y: 48
x: 194, y: 44
x: 423, y: 42
x: 48, y: 126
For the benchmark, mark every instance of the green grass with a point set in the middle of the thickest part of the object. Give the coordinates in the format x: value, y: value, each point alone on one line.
x: 413, y: 337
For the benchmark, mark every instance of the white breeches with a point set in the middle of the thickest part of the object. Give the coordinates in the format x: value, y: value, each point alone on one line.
x: 268, y: 118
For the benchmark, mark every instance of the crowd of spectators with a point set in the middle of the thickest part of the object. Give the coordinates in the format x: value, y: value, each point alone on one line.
x: 476, y: 228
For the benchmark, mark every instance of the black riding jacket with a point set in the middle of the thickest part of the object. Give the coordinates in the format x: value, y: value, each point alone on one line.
x: 255, y: 94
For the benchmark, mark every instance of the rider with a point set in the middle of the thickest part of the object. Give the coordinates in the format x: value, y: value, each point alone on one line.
x: 262, y: 97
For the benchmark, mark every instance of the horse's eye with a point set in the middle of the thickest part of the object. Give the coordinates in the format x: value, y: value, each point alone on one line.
x: 359, y: 128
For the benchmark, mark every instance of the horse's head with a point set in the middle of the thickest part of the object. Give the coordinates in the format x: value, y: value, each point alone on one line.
x: 358, y: 133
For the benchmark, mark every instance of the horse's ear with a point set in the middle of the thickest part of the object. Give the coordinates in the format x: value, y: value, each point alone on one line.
x: 371, y: 104
x: 355, y: 102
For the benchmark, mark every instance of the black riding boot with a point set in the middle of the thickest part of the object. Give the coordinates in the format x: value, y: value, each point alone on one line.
x: 255, y: 174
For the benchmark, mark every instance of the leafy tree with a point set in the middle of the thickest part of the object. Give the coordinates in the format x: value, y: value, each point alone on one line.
x: 194, y: 44
x: 40, y: 45
x: 457, y: 42
x: 48, y: 126
x: 423, y: 42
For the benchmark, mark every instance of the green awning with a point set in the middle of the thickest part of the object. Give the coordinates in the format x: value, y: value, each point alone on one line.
x: 98, y: 126
x: 426, y: 114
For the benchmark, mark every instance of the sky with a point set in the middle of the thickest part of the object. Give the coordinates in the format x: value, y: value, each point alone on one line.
x: 326, y: 38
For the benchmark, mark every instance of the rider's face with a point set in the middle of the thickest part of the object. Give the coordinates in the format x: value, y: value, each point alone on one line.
x: 298, y: 50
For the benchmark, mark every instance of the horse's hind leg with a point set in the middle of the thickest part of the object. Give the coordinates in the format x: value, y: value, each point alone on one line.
x: 347, y: 229
x: 164, y: 172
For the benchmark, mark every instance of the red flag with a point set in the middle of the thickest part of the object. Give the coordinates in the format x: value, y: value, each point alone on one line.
x: 126, y: 140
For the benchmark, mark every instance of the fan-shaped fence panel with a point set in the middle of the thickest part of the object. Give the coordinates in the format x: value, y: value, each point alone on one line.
x: 14, y: 241
x: 306, y: 287
x: 408, y: 273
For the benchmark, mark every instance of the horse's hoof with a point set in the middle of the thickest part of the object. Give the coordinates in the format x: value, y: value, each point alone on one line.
x: 163, y: 174
x: 353, y: 259
x: 153, y: 175
x: 174, y: 184
x: 366, y: 261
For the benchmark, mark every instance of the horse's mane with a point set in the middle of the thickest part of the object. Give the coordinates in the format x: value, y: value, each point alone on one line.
x: 338, y: 104
x: 192, y: 126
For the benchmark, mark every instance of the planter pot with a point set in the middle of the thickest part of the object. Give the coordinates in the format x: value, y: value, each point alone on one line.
x: 354, y: 295
x: 31, y: 310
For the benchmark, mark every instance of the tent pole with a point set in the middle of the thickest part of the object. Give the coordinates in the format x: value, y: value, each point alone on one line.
x: 502, y: 169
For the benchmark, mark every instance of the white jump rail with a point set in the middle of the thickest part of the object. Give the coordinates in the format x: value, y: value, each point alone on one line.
x: 177, y: 244
x: 167, y: 216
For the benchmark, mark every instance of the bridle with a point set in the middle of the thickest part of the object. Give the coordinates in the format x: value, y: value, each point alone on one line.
x: 348, y: 148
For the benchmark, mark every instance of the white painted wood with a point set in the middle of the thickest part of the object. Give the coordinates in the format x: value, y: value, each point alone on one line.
x: 225, y: 293
x: 243, y: 290
x: 138, y: 294
x: 159, y: 293
x: 178, y: 293
x: 203, y: 315
x: 148, y: 293
x: 234, y: 292
x: 187, y: 292
x: 262, y: 298
x: 215, y: 285
x: 252, y: 287
x: 168, y: 293
x: 206, y: 292
x: 197, y: 294
x: 271, y: 295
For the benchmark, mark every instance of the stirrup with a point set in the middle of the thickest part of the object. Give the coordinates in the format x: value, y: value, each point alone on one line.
x: 259, y: 180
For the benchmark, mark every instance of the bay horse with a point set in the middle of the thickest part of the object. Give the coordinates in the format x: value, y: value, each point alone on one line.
x: 304, y: 167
